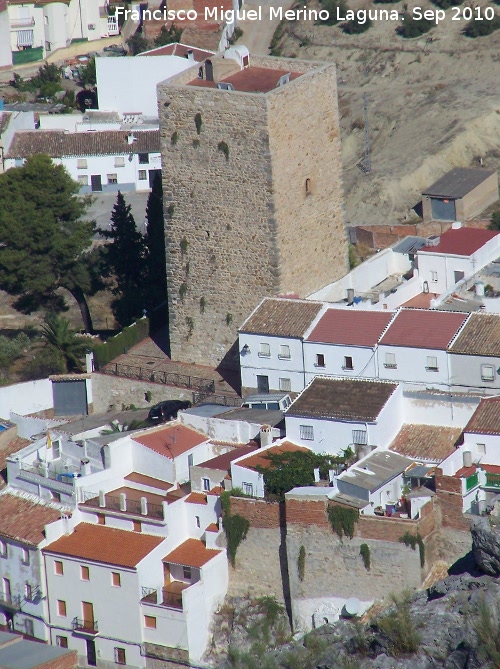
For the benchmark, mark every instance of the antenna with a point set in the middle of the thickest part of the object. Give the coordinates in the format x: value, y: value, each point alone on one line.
x: 365, y: 165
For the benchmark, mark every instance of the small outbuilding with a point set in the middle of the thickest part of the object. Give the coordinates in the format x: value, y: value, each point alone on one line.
x: 460, y: 195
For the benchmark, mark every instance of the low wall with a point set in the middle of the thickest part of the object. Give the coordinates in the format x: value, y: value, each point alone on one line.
x: 113, y: 391
x: 25, y: 398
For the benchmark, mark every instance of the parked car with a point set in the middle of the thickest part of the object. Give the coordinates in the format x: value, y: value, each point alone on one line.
x: 268, y: 401
x: 166, y: 410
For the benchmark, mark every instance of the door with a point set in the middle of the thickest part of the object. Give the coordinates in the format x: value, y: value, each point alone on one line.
x: 6, y: 590
x: 95, y: 180
x: 166, y: 574
x: 152, y: 176
x: 443, y: 210
x: 91, y: 654
x: 88, y: 614
x: 262, y: 384
x: 70, y: 398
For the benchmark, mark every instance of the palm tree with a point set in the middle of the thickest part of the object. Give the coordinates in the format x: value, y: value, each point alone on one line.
x: 63, y: 341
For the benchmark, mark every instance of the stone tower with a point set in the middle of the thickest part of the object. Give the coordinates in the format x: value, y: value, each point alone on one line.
x: 253, y: 193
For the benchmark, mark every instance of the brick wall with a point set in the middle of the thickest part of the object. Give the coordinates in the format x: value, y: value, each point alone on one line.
x: 259, y: 513
x: 449, y: 496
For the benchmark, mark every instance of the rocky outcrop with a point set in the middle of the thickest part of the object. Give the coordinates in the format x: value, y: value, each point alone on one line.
x: 486, y: 544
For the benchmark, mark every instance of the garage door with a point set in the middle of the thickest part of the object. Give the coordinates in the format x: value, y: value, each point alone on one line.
x: 70, y: 398
x: 443, y: 210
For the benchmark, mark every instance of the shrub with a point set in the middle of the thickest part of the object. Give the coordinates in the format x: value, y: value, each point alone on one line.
x: 182, y: 291
x: 184, y: 246
x: 343, y: 520
x: 120, y: 343
x: 399, y: 628
x: 236, y: 529
x: 301, y: 563
x: 413, y: 27
x: 364, y: 551
x: 332, y: 6
x: 414, y: 540
x: 278, y: 34
x: 190, y: 326
x: 203, y: 304
x: 224, y: 148
x: 354, y: 27
x: 229, y: 319
x: 238, y: 32
x: 198, y: 121
x: 482, y: 28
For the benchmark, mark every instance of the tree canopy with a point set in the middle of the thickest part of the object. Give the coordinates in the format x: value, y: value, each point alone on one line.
x: 44, y: 241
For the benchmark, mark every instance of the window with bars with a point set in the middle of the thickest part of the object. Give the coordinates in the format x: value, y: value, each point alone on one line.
x: 359, y: 437
x: 307, y: 432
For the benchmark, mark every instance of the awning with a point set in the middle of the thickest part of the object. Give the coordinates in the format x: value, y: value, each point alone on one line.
x: 25, y: 38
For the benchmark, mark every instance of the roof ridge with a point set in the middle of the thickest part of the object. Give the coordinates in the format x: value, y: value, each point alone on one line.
x: 34, y: 499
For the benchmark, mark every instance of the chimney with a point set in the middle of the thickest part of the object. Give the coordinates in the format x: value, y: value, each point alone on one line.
x: 190, y: 55
x: 266, y: 436
x: 350, y: 296
x: 85, y: 467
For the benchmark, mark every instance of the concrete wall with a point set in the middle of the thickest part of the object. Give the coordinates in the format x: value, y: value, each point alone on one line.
x: 257, y: 195
x: 427, y: 408
x: 113, y: 391
x: 363, y: 359
x: 25, y: 398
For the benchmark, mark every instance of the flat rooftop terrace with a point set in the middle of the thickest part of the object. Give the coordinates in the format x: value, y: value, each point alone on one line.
x: 249, y: 80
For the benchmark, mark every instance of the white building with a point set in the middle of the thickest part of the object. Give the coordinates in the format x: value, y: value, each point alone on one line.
x: 414, y: 346
x: 333, y: 414
x: 271, y: 345
x: 455, y: 255
x: 39, y: 28
x: 106, y: 161
x: 474, y: 356
x: 23, y: 595
x: 344, y: 342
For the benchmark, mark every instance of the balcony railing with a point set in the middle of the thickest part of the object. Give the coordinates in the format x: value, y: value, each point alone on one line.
x: 8, y: 601
x: 492, y: 480
x: 172, y: 600
x: 132, y: 506
x: 472, y: 481
x: 49, y: 472
x: 84, y: 626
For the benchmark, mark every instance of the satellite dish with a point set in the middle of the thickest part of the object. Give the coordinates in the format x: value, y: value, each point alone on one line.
x: 352, y: 606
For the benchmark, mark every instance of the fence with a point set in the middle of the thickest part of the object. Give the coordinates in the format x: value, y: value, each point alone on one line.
x: 120, y: 343
x: 196, y: 383
x: 212, y: 398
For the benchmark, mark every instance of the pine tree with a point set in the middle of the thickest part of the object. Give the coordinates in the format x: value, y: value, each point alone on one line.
x: 156, y: 272
x: 124, y: 258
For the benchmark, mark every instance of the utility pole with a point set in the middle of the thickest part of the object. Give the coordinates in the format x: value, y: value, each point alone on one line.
x: 365, y: 165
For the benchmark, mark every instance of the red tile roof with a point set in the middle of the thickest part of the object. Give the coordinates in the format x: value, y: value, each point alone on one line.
x: 216, y: 490
x: 212, y: 528
x: 260, y: 460
x: 491, y: 469
x: 171, y: 440
x: 223, y: 462
x: 350, y: 327
x: 23, y: 520
x: 250, y: 80
x: 180, y: 50
x: 142, y: 479
x: 192, y: 553
x: 461, y: 242
x: 426, y: 442
x: 419, y: 328
x: 282, y: 317
x: 465, y: 471
x: 420, y: 301
x: 99, y: 543
x: 196, y: 498
x: 479, y: 336
x: 486, y: 418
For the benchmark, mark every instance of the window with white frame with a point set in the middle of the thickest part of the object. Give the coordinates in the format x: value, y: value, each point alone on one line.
x: 481, y: 449
x: 119, y: 161
x: 487, y: 373
x: 434, y: 277
x: 112, y: 178
x: 286, y: 385
x: 347, y: 362
x: 120, y: 657
x: 143, y: 175
x: 265, y: 350
x: 390, y: 360
x: 284, y: 352
x: 320, y: 360
x: 81, y: 164
x: 307, y: 432
x: 432, y: 364
x: 83, y: 179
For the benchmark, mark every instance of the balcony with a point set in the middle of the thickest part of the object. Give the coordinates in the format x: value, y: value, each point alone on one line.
x: 472, y: 482
x: 10, y: 602
x: 492, y: 480
x: 57, y: 477
x: 122, y: 503
x: 169, y: 596
x: 88, y: 627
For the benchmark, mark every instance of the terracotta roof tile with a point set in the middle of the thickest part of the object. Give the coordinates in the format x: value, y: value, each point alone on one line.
x: 196, y: 498
x: 171, y: 440
x: 419, y: 328
x: 223, y: 462
x: 99, y: 543
x: 212, y: 528
x: 260, y: 459
x: 250, y: 80
x: 216, y: 490
x: 180, y: 50
x: 23, y: 520
x: 465, y: 472
x: 59, y: 144
x: 192, y: 553
x: 486, y: 418
x: 461, y: 242
x: 342, y: 399
x: 491, y: 469
x: 479, y: 336
x: 426, y: 442
x: 353, y: 328
x: 282, y: 318
x: 142, y: 479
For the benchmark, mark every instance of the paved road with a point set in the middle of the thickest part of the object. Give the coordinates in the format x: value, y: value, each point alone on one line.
x: 257, y: 35
x: 101, y: 209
